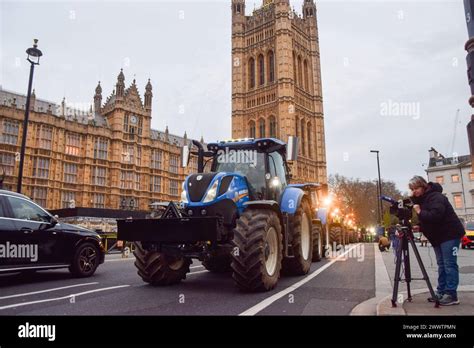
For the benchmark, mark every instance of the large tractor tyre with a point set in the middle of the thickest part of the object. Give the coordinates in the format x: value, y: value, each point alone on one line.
x: 258, y: 251
x: 157, y: 268
x: 318, y: 247
x: 301, y: 244
x: 353, y: 237
x: 346, y: 237
x: 217, y: 264
x: 335, y: 236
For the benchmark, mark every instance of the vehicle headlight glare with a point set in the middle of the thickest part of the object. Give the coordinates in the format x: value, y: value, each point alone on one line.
x: 184, y: 198
x: 211, y: 193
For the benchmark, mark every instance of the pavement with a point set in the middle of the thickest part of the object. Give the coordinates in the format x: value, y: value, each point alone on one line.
x: 418, y: 306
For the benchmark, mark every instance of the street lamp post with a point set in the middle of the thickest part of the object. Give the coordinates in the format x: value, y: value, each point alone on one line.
x: 34, y: 55
x: 379, y: 202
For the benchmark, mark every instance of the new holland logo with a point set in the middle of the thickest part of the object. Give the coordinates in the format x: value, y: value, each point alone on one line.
x: 199, y: 177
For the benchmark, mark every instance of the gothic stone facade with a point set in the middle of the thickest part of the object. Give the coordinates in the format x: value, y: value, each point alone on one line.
x: 106, y: 157
x: 276, y: 81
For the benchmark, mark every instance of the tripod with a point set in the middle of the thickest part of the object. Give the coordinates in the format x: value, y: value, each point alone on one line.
x: 405, y: 235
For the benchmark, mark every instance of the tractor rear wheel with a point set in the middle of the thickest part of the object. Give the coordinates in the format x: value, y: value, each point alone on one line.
x: 258, y: 250
x: 335, y: 236
x: 317, y: 243
x: 159, y: 269
x: 301, y: 243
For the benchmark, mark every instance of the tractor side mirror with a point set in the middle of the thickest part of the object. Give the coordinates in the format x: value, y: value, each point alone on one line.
x: 184, y: 156
x: 292, y: 148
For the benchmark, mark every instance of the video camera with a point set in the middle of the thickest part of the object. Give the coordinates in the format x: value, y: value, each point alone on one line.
x: 401, y: 208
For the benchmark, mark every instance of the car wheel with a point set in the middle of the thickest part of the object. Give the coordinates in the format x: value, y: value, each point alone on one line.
x: 85, y: 260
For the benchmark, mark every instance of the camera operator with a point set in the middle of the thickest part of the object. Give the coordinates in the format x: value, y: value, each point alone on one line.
x: 444, y: 230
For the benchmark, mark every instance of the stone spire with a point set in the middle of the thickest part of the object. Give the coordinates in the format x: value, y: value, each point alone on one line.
x: 148, y: 96
x: 63, y: 107
x: 98, y: 98
x: 238, y: 16
x: 120, y: 86
x: 309, y: 9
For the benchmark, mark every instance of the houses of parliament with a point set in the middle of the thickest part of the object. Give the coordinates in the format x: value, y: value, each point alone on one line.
x: 110, y: 157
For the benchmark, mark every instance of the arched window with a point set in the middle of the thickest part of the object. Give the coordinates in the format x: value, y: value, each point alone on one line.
x: 273, y: 125
x: 238, y: 8
x: 271, y: 66
x: 297, y: 128
x: 303, y: 140
x: 261, y: 126
x: 261, y: 70
x: 308, y: 139
x: 306, y: 80
x: 294, y: 70
x: 252, y: 129
x: 251, y: 73
x: 300, y: 72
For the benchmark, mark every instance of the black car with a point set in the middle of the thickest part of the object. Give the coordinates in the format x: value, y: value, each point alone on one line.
x: 32, y: 239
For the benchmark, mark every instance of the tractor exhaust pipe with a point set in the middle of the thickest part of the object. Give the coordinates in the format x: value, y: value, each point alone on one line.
x: 200, y: 154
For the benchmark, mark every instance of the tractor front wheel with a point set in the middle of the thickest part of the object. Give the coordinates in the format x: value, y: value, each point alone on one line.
x: 258, y: 251
x: 157, y: 268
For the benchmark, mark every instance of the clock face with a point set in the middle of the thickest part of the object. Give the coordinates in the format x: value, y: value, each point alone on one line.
x: 133, y: 119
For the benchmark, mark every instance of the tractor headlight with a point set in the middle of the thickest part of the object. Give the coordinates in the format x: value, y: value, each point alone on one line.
x: 211, y: 193
x: 275, y: 182
x: 184, y: 198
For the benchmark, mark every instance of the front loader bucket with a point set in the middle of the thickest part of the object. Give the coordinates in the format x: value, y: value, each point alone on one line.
x: 171, y: 230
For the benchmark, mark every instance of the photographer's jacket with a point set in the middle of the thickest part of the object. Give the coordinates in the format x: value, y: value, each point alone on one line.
x: 437, y: 218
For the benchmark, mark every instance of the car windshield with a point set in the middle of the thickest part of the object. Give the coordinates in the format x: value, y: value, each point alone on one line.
x: 470, y: 225
x: 248, y: 163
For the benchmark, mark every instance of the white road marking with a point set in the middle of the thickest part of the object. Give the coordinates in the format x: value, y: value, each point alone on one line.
x: 63, y: 297
x: 39, y: 268
x: 268, y: 301
x: 191, y: 273
x: 47, y: 290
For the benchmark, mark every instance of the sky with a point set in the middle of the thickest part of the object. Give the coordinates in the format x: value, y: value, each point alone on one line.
x: 393, y: 72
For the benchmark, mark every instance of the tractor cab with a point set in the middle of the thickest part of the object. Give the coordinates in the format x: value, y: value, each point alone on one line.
x: 262, y: 162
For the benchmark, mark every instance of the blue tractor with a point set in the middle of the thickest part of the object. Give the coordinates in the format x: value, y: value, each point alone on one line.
x: 243, y: 217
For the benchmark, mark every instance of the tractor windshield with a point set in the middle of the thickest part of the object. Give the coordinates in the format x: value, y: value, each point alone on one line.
x: 248, y: 163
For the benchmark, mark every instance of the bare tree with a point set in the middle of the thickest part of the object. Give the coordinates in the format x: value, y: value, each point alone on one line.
x: 360, y: 196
